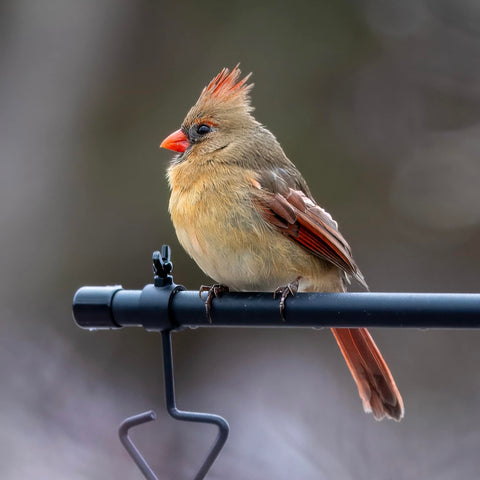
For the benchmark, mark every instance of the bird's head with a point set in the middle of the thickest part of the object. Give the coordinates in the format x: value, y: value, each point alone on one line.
x: 220, y: 118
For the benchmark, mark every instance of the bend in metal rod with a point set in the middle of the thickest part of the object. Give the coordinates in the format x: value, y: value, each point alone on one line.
x: 129, y: 445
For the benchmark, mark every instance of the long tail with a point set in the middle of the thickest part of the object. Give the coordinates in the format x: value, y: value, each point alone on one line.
x: 375, y: 383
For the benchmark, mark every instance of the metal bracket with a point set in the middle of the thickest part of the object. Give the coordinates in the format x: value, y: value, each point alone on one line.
x: 162, y: 267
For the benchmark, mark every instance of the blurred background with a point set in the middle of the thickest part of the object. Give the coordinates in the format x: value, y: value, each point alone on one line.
x: 378, y: 104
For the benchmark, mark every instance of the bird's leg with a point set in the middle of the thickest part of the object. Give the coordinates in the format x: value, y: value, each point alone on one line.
x: 285, y: 291
x: 214, y: 291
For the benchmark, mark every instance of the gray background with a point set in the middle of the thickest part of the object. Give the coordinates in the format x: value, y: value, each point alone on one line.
x: 378, y: 104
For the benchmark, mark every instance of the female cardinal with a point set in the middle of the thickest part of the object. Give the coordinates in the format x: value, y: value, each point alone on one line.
x: 245, y: 214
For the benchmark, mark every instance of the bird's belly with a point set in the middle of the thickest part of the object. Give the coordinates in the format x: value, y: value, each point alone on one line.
x: 249, y: 262
x: 242, y: 261
x: 232, y: 243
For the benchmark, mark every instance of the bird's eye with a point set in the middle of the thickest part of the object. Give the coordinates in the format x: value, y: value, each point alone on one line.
x: 203, y: 129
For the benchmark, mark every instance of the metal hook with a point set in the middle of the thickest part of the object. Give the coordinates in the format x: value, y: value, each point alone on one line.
x: 129, y: 445
x: 220, y: 422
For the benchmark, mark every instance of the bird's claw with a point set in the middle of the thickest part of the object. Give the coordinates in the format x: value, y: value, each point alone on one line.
x: 214, y: 291
x: 285, y: 291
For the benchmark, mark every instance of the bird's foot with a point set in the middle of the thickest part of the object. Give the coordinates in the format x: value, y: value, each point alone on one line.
x: 214, y: 291
x: 285, y: 291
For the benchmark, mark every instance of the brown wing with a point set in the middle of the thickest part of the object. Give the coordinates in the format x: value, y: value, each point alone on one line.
x: 298, y: 217
x: 284, y: 203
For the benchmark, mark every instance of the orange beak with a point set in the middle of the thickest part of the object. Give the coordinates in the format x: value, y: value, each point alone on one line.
x: 176, y: 141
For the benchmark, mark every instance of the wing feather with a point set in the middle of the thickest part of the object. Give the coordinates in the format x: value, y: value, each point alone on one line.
x: 299, y: 218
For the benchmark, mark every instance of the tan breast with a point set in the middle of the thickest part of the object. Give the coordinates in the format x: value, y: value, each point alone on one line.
x: 219, y: 226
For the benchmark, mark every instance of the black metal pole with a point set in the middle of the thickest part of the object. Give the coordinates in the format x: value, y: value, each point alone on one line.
x: 165, y: 306
x: 161, y: 308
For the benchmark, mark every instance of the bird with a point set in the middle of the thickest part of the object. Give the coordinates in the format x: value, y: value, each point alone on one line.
x: 242, y: 210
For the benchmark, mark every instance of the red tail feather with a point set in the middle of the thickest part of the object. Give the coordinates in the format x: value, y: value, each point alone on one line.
x: 375, y: 383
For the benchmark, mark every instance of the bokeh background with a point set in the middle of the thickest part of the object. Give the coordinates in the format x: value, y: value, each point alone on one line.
x: 378, y: 104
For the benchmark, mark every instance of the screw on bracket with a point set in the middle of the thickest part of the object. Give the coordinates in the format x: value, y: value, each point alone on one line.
x: 162, y: 267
